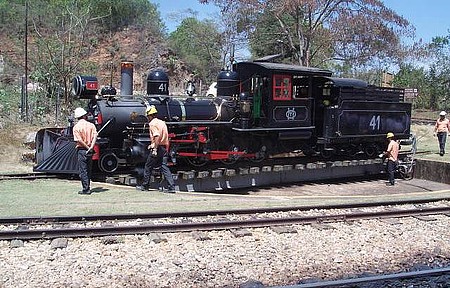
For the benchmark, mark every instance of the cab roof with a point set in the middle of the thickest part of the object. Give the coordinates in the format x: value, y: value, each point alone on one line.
x: 281, y: 67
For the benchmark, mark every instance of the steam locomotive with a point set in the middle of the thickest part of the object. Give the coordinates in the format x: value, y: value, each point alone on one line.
x: 262, y: 109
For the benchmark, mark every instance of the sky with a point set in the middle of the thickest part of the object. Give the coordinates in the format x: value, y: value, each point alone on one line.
x: 168, y: 8
x: 430, y: 17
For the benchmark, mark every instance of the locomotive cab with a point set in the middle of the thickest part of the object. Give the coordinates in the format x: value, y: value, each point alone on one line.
x: 282, y: 94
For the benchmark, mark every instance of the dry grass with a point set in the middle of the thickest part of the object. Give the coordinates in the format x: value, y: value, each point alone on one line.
x: 12, y: 147
x: 427, y: 143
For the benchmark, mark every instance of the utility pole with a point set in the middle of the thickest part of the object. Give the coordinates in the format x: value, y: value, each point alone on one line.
x: 24, y: 104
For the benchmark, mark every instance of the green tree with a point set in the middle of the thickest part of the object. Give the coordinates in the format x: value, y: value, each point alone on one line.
x: 431, y: 78
x: 114, y: 15
x: 318, y: 31
x: 439, y: 70
x: 410, y: 76
x: 199, y: 44
x: 63, y: 34
x: 62, y: 43
x: 11, y: 15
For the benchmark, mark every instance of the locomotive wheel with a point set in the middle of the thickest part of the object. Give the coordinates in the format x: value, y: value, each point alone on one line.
x: 327, y: 153
x: 309, y: 152
x: 371, y: 150
x: 196, y: 162
x: 258, y: 159
x: 261, y: 155
x: 233, y: 158
x: 108, y: 162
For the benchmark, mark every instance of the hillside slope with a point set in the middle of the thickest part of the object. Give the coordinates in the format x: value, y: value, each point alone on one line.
x: 131, y: 44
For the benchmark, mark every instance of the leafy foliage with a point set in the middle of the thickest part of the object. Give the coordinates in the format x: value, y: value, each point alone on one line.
x: 63, y: 35
x: 198, y: 43
x: 318, y: 31
x: 11, y: 15
x: 410, y: 76
x: 118, y: 14
x: 431, y: 80
x: 10, y: 102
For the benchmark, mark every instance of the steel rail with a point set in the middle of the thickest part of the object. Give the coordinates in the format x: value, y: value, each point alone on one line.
x: 27, y: 176
x: 423, y: 121
x: 113, y: 217
x: 30, y: 234
x: 386, y: 277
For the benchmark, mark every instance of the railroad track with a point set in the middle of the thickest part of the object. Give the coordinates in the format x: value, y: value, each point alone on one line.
x: 113, y: 217
x: 28, y: 176
x: 423, y: 121
x: 183, y: 222
x: 376, y: 279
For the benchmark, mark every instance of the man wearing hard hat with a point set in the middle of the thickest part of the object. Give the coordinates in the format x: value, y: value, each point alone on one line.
x: 441, y: 128
x: 159, y: 145
x: 392, y: 155
x: 85, y: 134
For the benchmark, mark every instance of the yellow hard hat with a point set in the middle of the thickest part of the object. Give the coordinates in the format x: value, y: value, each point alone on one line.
x: 390, y: 135
x: 151, y: 110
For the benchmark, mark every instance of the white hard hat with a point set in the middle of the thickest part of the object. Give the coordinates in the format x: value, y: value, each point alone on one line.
x: 442, y: 113
x: 79, y: 112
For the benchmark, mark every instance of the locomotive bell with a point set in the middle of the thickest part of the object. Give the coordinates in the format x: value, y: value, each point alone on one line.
x: 108, y: 90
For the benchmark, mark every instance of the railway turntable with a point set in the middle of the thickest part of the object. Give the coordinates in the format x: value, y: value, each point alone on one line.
x: 245, y: 176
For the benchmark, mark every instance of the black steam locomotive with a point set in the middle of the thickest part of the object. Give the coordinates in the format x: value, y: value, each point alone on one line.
x: 261, y: 109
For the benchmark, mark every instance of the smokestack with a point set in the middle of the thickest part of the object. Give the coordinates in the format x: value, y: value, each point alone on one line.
x: 126, y: 78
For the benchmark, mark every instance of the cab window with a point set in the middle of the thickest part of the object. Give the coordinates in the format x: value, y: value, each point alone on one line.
x: 300, y: 87
x: 282, y: 88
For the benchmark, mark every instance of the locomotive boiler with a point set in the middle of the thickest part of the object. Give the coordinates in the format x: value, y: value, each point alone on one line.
x: 262, y: 109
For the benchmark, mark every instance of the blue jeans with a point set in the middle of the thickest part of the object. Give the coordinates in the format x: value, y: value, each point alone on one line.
x: 391, y: 165
x: 442, y: 138
x: 85, y: 166
x: 160, y: 159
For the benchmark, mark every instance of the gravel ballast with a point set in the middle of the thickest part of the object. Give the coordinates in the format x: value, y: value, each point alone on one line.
x: 225, y: 259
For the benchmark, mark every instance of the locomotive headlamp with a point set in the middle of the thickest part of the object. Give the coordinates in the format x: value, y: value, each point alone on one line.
x: 84, y: 87
x: 245, y: 108
x: 245, y: 104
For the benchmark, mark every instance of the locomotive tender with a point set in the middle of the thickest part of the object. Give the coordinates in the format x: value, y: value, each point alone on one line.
x: 261, y: 109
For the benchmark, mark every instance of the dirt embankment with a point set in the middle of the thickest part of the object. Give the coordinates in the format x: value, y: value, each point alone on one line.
x: 16, y: 143
x: 146, y: 52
